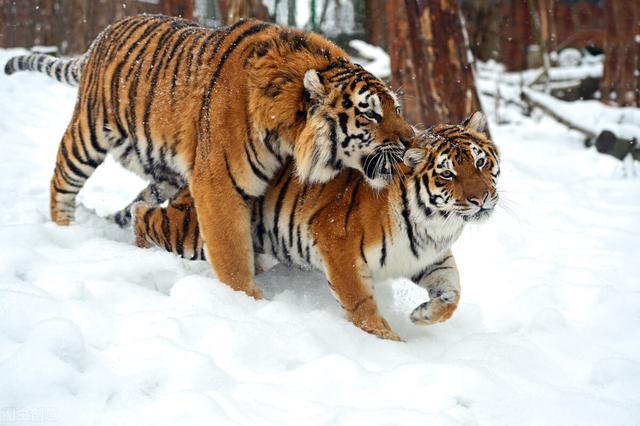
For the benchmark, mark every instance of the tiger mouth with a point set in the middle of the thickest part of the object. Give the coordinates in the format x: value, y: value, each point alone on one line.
x: 478, y: 216
x: 380, y: 163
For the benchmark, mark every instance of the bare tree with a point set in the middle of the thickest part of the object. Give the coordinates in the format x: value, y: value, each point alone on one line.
x: 620, y: 82
x: 430, y: 60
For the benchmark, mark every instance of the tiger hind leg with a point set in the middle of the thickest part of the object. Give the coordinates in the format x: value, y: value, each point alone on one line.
x: 153, y: 194
x: 174, y: 228
x: 79, y: 154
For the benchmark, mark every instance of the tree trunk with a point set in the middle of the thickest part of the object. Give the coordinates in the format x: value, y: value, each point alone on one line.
x: 620, y: 82
x: 234, y: 10
x: 375, y: 23
x: 183, y: 8
x: 429, y: 61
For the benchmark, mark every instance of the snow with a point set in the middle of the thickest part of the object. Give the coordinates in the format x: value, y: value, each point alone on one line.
x: 591, y: 68
x: 373, y: 58
x: 593, y: 115
x: 94, y: 330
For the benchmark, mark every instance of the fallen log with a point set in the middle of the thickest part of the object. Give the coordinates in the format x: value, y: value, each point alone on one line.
x: 606, y: 141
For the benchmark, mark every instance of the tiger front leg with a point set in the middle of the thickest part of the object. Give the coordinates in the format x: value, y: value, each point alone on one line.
x: 350, y: 284
x: 443, y: 283
x: 224, y: 217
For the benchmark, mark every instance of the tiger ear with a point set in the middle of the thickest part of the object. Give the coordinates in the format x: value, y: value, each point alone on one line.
x: 313, y: 85
x: 413, y: 157
x: 476, y: 121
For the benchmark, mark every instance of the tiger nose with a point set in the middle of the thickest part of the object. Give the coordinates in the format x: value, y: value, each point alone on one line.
x: 478, y: 201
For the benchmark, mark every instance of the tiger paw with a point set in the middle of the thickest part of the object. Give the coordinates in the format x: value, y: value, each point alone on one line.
x: 61, y: 217
x: 121, y: 218
x: 381, y: 329
x: 386, y: 334
x: 439, y: 309
x: 255, y: 292
x: 369, y: 319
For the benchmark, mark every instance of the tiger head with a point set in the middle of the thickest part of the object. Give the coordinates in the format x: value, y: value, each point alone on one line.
x: 353, y: 120
x: 457, y: 168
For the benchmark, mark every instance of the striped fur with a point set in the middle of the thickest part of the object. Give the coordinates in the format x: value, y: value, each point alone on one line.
x: 221, y: 110
x: 63, y: 70
x: 356, y: 235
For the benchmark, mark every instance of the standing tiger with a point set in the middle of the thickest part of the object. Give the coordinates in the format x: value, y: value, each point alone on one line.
x: 219, y: 110
x: 357, y: 235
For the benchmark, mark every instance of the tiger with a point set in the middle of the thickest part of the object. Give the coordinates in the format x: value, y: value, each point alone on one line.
x: 220, y: 111
x: 358, y: 236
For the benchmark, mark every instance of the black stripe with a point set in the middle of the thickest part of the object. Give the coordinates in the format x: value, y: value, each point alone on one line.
x: 39, y: 62
x: 196, y: 234
x: 63, y: 191
x: 183, y: 235
x: 160, y: 46
x: 66, y: 71
x: 253, y: 149
x: 148, y: 230
x: 155, y: 68
x: 299, y: 242
x: 362, y: 249
x: 435, y: 270
x: 352, y: 202
x: 68, y: 179
x: 49, y: 67
x: 74, y: 150
x: 116, y: 79
x: 333, y: 160
x: 407, y: 220
x: 383, y: 249
x: 278, y: 207
x: 270, y: 138
x: 174, y: 76
x: 166, y: 231
x: 239, y: 190
x: 69, y: 163
x: 285, y: 251
x: 292, y: 218
x: 254, y: 168
x: 191, y: 50
x: 260, y: 225
x: 426, y: 210
x: 58, y: 71
x: 204, y: 111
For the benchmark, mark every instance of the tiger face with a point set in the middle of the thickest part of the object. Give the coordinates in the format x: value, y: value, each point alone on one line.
x: 355, y: 121
x: 459, y: 167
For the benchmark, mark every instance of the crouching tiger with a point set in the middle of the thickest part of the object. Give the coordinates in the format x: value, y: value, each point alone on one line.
x: 357, y: 235
x: 220, y: 110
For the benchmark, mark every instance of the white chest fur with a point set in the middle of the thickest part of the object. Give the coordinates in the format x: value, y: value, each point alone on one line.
x: 414, y: 244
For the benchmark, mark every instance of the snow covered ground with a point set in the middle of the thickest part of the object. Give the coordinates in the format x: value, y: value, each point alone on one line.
x: 96, y: 331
